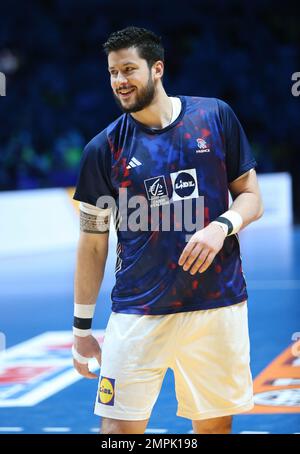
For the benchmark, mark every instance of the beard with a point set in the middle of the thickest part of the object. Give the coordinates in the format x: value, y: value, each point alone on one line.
x: 143, y: 98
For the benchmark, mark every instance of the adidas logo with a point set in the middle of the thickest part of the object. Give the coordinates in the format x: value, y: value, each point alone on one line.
x: 133, y: 163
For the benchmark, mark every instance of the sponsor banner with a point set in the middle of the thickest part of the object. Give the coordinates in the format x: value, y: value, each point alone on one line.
x: 38, y: 215
x: 276, y: 191
x: 38, y: 368
x: 277, y: 388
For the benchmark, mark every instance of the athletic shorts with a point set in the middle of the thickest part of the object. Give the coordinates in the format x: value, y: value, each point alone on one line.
x: 207, y: 350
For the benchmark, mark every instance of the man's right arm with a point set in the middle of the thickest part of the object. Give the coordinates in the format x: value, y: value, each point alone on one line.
x: 90, y: 265
x: 91, y: 258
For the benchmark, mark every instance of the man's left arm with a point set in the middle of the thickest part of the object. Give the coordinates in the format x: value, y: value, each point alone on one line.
x: 246, y: 197
x: 247, y: 207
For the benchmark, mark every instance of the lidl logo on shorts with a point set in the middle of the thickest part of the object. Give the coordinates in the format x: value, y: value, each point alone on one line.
x: 106, y: 394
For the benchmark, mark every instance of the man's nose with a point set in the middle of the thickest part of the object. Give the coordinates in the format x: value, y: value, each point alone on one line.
x: 121, y: 79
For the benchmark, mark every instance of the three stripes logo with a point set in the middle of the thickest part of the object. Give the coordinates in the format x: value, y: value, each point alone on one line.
x: 117, y: 221
x: 118, y: 266
x: 133, y: 163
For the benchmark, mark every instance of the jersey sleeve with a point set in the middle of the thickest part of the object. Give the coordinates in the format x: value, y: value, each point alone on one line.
x: 94, y: 179
x: 239, y: 156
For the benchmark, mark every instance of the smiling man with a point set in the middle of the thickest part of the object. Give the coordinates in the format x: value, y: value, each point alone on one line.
x: 176, y: 304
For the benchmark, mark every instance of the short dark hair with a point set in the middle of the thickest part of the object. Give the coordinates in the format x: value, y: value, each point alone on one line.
x: 148, y: 44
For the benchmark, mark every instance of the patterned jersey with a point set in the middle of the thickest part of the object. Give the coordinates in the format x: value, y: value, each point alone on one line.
x: 193, y: 159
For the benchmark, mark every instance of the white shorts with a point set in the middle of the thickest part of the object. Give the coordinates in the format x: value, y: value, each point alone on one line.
x: 207, y: 350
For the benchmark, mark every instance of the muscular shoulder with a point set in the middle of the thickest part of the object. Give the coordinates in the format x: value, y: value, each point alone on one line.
x: 206, y: 105
x: 109, y: 138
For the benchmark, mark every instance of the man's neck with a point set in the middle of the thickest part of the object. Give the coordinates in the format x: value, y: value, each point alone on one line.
x: 159, y: 114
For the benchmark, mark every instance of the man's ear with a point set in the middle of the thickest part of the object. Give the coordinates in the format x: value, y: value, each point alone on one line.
x: 158, y: 69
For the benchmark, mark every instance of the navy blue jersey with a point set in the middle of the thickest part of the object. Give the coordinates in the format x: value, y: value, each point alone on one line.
x: 195, y: 157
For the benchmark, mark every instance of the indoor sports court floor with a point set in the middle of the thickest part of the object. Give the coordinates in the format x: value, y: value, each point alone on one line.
x: 40, y: 392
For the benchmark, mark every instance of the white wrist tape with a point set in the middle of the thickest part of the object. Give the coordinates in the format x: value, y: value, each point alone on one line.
x: 82, y: 332
x: 79, y: 358
x: 232, y: 220
x: 84, y: 310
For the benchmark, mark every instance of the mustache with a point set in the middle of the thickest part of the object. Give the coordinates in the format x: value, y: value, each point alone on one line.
x: 124, y: 88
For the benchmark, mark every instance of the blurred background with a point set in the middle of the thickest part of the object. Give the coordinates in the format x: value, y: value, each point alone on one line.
x: 58, y: 93
x: 57, y: 97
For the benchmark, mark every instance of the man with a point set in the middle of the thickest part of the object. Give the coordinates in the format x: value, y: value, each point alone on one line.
x: 180, y: 300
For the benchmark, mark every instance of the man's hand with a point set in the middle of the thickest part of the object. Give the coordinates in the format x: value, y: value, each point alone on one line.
x: 89, y: 348
x: 202, y: 248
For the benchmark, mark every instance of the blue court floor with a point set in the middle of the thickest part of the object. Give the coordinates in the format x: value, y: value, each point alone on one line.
x: 36, y: 296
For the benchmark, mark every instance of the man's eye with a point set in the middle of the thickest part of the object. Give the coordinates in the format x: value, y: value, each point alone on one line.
x: 129, y: 69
